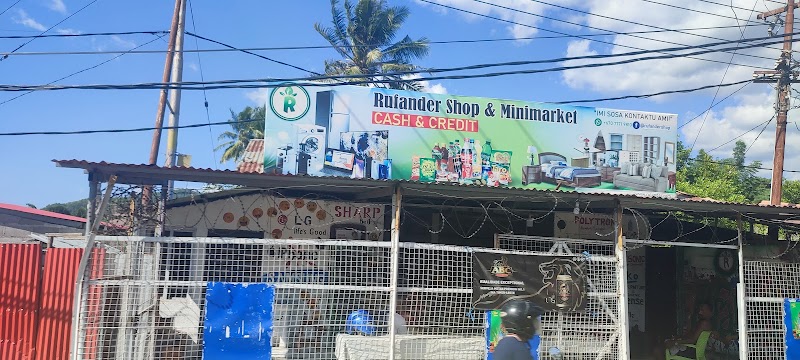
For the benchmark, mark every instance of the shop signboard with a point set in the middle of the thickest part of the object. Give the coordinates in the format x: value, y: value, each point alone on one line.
x: 362, y: 132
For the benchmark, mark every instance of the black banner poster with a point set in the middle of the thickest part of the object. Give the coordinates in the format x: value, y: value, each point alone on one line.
x: 554, y: 283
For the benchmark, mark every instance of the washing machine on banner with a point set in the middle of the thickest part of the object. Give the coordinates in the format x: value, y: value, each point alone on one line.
x: 310, y: 143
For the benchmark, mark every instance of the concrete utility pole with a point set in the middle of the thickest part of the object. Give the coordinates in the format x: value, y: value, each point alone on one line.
x: 175, y: 94
x: 784, y: 75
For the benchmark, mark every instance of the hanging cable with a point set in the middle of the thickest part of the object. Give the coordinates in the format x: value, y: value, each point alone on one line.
x: 724, y: 74
x: 10, y: 6
x: 205, y: 97
x: 5, y: 56
x: 83, y: 70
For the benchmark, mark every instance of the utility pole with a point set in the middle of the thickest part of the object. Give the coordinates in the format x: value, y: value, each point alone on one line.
x: 175, y: 94
x: 784, y: 75
x: 162, y: 99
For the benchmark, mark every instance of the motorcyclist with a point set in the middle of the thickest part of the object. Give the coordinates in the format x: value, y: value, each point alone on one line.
x: 520, y: 322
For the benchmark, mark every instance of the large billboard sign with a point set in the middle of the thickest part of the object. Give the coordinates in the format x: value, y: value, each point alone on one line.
x: 362, y: 132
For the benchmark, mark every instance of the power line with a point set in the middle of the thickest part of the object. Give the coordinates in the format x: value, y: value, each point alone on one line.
x: 10, y: 6
x: 48, y: 29
x: 381, y: 78
x: 252, y: 53
x: 208, y: 124
x: 81, y: 35
x: 716, y: 93
x: 759, y: 135
x: 83, y: 70
x: 316, y: 47
x: 745, y: 82
x: 693, y: 10
x: 765, y: 123
x: 558, y: 32
x: 713, y: 105
x: 629, y: 22
x: 205, y: 96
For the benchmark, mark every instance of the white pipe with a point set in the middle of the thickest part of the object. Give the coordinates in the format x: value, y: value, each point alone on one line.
x: 622, y: 285
x: 395, y: 252
x: 740, y: 292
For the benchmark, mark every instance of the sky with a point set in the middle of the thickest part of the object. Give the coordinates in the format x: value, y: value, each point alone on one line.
x: 536, y: 30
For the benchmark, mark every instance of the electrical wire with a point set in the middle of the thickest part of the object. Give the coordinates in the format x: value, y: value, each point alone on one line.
x: 205, y: 96
x: 10, y: 6
x: 81, y: 35
x: 561, y: 59
x: 252, y: 53
x: 315, y: 47
x: 712, y: 106
x: 5, y: 56
x: 562, y: 33
x: 83, y: 70
x: 724, y: 74
x: 629, y: 22
x: 759, y: 135
x: 745, y: 82
x: 384, y: 79
x: 692, y: 10
x: 765, y: 123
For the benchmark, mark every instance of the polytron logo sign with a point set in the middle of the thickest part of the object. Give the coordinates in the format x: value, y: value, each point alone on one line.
x: 289, y: 102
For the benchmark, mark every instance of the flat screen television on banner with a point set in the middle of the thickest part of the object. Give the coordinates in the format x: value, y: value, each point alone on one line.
x: 362, y: 132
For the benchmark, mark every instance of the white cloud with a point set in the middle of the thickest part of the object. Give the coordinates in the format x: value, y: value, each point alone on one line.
x: 23, y: 19
x: 513, y: 11
x: 68, y: 31
x: 258, y: 96
x: 193, y: 66
x: 57, y: 6
x: 664, y: 74
x: 436, y: 88
x: 122, y: 42
x: 732, y: 121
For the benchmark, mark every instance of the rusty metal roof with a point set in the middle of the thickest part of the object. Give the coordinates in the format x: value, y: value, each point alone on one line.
x: 370, y: 189
x: 253, y: 157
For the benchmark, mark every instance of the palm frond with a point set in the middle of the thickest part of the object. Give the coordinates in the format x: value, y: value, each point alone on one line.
x: 408, y: 49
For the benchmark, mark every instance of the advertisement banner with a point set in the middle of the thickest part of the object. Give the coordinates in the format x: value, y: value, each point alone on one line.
x: 791, y: 320
x: 551, y: 282
x: 361, y: 132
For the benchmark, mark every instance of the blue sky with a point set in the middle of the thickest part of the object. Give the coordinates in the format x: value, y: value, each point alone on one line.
x: 29, y: 176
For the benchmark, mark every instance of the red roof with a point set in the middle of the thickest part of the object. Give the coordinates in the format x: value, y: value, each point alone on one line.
x: 46, y: 213
x: 253, y: 157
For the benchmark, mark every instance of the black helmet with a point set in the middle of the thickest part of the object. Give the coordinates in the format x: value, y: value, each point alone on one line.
x: 520, y: 317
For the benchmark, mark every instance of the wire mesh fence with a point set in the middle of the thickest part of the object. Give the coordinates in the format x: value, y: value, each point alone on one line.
x: 593, y: 333
x: 154, y: 298
x: 767, y: 284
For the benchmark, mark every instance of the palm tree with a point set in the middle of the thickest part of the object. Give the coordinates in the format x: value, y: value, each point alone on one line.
x: 246, y: 125
x: 363, y: 35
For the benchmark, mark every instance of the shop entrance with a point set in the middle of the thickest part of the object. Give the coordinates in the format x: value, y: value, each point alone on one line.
x: 680, y: 279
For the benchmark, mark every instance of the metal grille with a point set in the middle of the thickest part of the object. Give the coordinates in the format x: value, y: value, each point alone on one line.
x: 593, y: 333
x: 147, y: 298
x: 767, y: 284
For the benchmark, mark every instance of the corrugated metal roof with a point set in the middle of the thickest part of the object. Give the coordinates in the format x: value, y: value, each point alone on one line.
x: 50, y: 214
x: 152, y: 174
x: 253, y: 157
